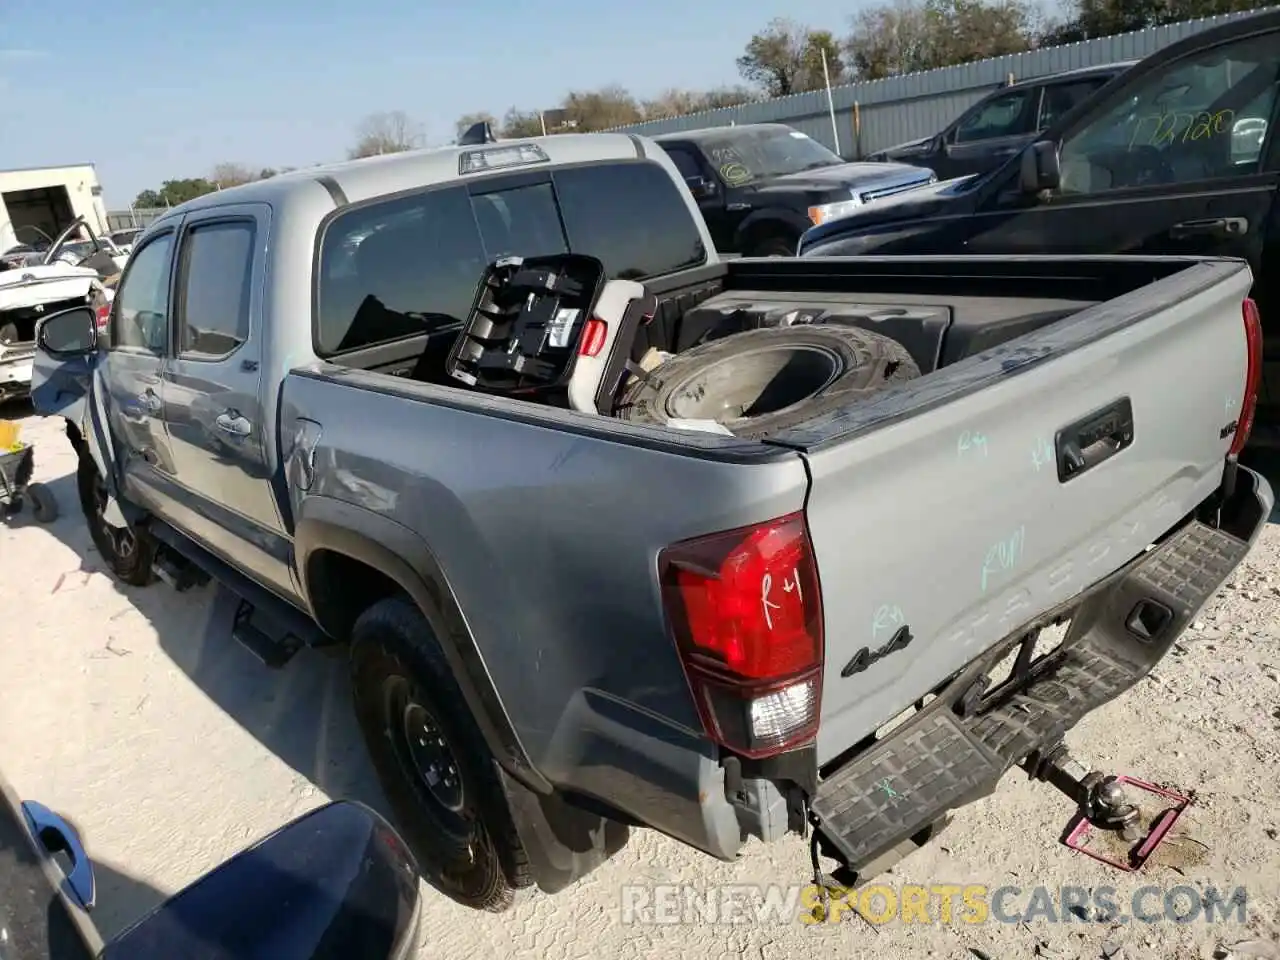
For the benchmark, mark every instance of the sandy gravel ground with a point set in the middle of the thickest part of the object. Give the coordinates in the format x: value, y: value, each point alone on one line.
x: 134, y: 713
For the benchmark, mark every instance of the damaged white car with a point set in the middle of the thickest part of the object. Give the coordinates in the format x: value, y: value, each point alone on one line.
x: 72, y: 272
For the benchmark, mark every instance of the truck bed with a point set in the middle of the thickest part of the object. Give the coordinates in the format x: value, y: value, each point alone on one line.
x: 937, y: 505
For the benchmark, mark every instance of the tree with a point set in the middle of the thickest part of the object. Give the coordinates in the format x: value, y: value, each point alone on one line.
x: 1102, y: 18
x: 521, y: 123
x: 381, y: 133
x: 890, y: 40
x: 469, y: 120
x: 226, y: 175
x: 174, y: 192
x: 786, y: 58
x: 590, y: 110
x: 907, y: 36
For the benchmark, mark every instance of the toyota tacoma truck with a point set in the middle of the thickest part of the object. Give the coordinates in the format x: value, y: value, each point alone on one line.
x: 764, y: 594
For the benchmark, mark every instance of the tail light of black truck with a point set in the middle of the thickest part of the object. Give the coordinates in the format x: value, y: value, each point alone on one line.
x: 745, y: 608
x: 1253, y: 376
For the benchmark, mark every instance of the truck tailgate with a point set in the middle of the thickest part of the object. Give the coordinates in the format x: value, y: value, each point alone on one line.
x: 941, y: 508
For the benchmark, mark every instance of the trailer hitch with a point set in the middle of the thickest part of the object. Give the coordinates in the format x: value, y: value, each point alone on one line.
x: 1105, y: 809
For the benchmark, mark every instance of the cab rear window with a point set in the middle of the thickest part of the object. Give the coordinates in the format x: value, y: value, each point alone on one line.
x: 409, y: 265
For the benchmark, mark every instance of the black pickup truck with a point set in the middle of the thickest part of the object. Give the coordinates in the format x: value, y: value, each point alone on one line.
x: 1174, y: 156
x: 760, y: 186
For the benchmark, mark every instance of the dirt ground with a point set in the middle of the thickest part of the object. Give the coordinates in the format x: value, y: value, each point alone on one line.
x: 132, y: 712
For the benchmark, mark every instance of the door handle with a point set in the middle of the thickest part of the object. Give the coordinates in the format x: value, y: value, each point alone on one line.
x: 150, y: 402
x: 55, y: 835
x: 1214, y: 227
x: 234, y: 424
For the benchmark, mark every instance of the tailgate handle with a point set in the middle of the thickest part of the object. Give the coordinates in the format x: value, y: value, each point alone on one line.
x: 1094, y: 439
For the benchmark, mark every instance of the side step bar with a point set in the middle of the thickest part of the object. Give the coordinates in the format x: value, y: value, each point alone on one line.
x: 270, y: 628
x: 942, y: 758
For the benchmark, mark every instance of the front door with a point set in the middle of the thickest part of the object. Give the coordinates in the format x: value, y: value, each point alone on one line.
x: 222, y: 493
x: 720, y: 225
x: 988, y: 135
x: 138, y: 340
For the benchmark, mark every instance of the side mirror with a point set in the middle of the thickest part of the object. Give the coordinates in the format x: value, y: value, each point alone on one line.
x: 1041, y: 168
x: 702, y: 188
x: 337, y: 882
x: 71, y: 333
x: 941, y: 144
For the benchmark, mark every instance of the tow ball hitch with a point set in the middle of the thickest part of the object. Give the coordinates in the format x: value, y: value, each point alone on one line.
x: 1121, y: 820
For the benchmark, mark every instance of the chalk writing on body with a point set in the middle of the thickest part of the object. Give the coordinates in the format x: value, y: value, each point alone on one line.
x: 888, y: 617
x: 971, y: 443
x: 1003, y: 556
x: 1041, y: 454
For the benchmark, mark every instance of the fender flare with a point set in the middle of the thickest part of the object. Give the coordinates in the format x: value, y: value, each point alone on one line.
x: 788, y: 221
x: 404, y: 557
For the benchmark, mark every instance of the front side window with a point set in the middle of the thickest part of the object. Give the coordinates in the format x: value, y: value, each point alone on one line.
x: 140, y: 312
x: 1199, y: 118
x: 1003, y: 116
x: 410, y: 265
x: 214, y: 273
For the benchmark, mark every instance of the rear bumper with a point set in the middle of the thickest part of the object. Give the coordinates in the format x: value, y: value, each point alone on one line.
x: 940, y: 760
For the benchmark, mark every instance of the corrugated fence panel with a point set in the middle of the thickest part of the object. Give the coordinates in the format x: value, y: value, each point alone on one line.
x: 916, y: 105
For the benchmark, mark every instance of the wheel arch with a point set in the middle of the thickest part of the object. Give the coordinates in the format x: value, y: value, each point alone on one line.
x: 349, y: 558
x: 771, y: 221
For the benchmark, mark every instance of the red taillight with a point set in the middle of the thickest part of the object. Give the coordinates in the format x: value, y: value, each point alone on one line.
x: 593, y: 335
x: 746, y: 611
x: 103, y: 314
x: 1252, y: 377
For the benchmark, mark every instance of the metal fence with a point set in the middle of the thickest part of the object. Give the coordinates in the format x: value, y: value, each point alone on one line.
x: 132, y: 218
x: 876, y: 114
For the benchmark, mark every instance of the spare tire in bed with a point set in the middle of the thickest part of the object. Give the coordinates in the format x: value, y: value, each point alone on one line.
x: 762, y: 381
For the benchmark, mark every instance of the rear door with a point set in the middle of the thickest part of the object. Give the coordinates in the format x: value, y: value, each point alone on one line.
x: 222, y: 493
x: 1058, y: 98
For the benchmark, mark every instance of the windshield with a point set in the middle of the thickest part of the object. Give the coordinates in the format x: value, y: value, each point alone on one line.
x: 744, y: 156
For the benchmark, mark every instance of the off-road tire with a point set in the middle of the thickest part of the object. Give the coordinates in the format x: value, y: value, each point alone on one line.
x: 829, y: 366
x: 476, y: 859
x: 131, y: 556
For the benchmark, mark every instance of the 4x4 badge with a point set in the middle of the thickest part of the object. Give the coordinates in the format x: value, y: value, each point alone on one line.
x: 866, y: 656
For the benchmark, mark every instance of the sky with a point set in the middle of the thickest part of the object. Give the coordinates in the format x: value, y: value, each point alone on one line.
x: 150, y: 92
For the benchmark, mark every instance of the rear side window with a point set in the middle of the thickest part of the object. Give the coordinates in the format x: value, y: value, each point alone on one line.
x: 214, y: 271
x: 630, y: 216
x: 1061, y: 97
x: 409, y: 265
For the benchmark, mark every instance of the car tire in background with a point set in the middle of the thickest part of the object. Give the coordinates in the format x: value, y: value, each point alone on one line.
x: 761, y: 381
x: 433, y: 763
x: 773, y: 246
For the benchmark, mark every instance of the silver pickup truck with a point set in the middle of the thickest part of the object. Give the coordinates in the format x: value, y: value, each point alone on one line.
x: 562, y: 624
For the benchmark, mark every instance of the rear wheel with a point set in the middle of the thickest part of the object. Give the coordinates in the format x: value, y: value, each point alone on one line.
x: 432, y: 760
x: 129, y: 553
